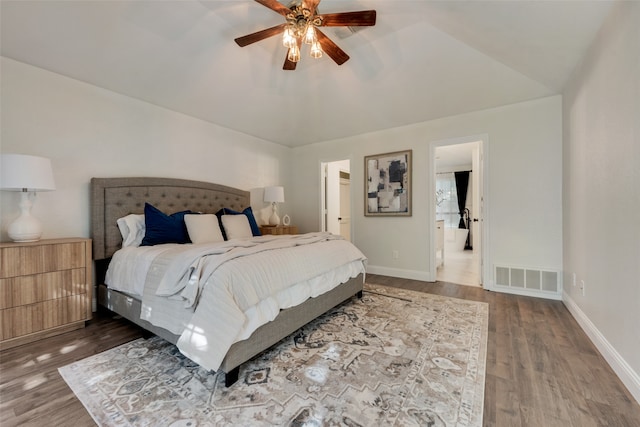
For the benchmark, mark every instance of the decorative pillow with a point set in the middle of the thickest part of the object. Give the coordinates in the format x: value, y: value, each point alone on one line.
x: 162, y: 228
x: 236, y: 226
x: 255, y: 229
x: 132, y: 229
x: 203, y: 228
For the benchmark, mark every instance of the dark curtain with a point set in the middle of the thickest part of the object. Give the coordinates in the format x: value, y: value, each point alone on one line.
x: 462, y: 183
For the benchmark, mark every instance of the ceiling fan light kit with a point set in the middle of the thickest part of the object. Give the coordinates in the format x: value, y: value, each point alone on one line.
x: 301, y: 27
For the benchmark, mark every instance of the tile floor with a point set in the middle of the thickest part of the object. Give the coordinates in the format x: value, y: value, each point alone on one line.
x: 461, y: 268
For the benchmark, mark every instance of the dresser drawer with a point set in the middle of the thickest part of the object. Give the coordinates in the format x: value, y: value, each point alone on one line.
x: 23, y: 290
x: 43, y: 316
x: 45, y: 289
x: 24, y: 260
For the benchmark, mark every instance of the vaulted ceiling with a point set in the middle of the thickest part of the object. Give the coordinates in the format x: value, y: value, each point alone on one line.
x: 421, y: 61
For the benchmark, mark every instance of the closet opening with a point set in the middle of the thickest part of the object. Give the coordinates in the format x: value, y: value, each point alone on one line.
x: 335, y: 209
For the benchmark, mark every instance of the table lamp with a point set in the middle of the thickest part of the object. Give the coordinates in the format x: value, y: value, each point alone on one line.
x: 274, y: 195
x: 26, y: 174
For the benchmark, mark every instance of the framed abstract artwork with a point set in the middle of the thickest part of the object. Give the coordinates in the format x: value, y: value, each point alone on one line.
x: 388, y: 184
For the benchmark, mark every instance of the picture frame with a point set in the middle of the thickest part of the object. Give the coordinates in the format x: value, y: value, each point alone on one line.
x: 388, y: 184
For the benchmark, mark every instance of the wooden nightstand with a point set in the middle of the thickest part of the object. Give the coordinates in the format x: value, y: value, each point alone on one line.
x: 278, y: 229
x: 45, y: 289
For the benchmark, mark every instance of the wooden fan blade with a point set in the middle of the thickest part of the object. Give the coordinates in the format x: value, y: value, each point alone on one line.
x: 331, y: 49
x: 260, y: 35
x: 363, y: 18
x: 276, y: 6
x: 289, y: 65
x: 311, y: 5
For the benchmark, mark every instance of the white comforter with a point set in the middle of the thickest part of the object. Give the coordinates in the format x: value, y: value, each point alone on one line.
x: 213, y: 295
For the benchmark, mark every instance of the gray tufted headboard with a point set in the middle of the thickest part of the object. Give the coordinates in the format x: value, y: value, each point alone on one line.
x: 113, y: 198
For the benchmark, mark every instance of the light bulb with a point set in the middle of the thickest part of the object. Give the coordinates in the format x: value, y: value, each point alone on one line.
x: 310, y: 35
x: 316, y: 51
x: 288, y: 40
x: 294, y: 54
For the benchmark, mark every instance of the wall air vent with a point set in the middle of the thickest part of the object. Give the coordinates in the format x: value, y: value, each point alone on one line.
x: 531, y: 279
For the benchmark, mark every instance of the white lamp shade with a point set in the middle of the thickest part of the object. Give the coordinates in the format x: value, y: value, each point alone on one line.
x: 20, y: 171
x: 274, y: 194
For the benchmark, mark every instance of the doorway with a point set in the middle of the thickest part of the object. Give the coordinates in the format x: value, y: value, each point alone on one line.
x: 336, y: 198
x: 458, y: 178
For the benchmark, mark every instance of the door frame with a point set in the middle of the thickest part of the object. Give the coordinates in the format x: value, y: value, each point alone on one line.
x: 323, y: 192
x: 485, y: 268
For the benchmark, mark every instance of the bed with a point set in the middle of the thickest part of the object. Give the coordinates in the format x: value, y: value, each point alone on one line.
x: 115, y: 198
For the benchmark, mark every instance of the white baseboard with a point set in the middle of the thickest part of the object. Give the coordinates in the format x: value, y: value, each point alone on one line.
x: 425, y: 276
x: 627, y: 375
x: 527, y: 292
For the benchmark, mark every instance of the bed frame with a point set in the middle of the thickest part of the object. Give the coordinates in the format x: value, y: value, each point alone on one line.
x: 113, y: 198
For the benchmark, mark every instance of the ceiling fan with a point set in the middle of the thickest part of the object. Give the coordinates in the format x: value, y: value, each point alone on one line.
x: 301, y: 26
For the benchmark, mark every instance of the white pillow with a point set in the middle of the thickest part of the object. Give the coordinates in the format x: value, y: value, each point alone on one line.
x: 132, y: 229
x: 236, y: 226
x: 203, y: 228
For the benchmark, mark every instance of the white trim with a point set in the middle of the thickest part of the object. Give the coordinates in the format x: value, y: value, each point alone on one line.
x: 537, y: 293
x: 625, y: 372
x: 486, y: 274
x: 431, y: 215
x: 323, y: 191
x: 424, y: 276
x: 323, y: 164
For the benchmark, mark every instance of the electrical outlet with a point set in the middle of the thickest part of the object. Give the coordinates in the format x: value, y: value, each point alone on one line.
x: 574, y: 279
x: 395, y: 254
x: 582, y: 286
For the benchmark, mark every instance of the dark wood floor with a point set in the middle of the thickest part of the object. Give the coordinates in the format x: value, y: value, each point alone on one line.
x: 542, y: 370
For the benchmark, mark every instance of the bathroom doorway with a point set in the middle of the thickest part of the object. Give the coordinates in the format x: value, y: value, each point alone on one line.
x: 458, y: 211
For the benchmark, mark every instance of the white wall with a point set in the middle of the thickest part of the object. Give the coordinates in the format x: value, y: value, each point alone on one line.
x: 602, y: 192
x: 525, y: 187
x: 91, y: 132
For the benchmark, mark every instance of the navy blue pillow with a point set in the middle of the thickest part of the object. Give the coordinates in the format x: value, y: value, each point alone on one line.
x: 255, y: 229
x: 162, y: 228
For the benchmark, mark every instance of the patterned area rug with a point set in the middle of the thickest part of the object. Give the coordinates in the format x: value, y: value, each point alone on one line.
x: 393, y: 358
